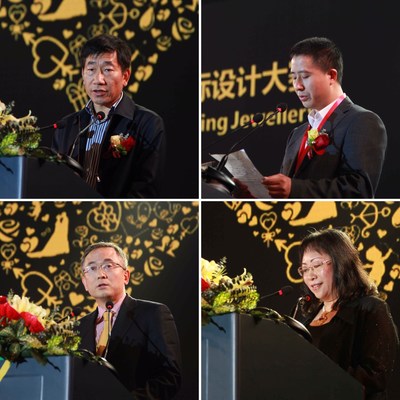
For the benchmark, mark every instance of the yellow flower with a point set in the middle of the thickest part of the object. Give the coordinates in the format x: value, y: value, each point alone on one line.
x: 115, y: 140
x: 211, y: 271
x: 312, y: 135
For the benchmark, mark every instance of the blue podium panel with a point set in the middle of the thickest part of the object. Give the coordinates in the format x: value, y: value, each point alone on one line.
x: 23, y: 178
x: 268, y: 360
x: 33, y: 381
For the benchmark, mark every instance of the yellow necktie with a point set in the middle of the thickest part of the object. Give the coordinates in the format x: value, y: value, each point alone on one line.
x: 102, y: 343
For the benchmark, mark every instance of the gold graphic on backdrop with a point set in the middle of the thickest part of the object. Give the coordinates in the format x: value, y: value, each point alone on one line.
x: 318, y: 212
x: 41, y: 244
x: 369, y: 216
x: 151, y: 26
x: 58, y: 241
x: 366, y: 223
x: 377, y: 266
x: 67, y: 9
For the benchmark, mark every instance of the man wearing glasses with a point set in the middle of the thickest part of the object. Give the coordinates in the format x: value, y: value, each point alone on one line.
x: 140, y: 340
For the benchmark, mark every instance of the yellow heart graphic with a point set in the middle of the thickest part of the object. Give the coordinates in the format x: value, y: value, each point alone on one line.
x: 29, y: 244
x: 163, y: 15
x: 46, y: 218
x: 52, y: 269
x: 143, y: 72
x: 155, y: 33
x: 153, y: 59
x: 30, y: 231
x: 186, y: 210
x: 148, y: 243
x: 395, y: 272
x: 8, y: 251
x: 76, y: 298
x: 67, y: 33
x: 129, y: 34
x: 137, y: 242
x: 153, y: 223
x: 129, y: 240
x: 389, y: 287
x: 382, y: 233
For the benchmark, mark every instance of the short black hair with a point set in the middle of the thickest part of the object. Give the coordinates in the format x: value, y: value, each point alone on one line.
x: 324, y: 52
x: 106, y: 43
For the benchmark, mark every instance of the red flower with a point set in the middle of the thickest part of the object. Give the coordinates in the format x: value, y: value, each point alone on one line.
x: 321, y: 143
x: 121, y: 144
x: 32, y: 322
x: 204, y: 285
x: 128, y: 143
x: 9, y: 312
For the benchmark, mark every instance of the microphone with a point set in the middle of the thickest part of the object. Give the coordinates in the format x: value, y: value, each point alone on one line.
x: 281, y: 292
x: 109, y: 307
x: 99, y: 117
x: 256, y: 119
x: 216, y: 173
x: 300, y: 301
x: 57, y: 125
x: 74, y: 313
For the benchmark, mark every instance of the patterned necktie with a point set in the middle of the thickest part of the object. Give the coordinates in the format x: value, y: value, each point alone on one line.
x: 103, y: 340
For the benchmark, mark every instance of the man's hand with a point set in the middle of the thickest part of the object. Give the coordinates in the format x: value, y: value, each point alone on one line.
x: 278, y: 185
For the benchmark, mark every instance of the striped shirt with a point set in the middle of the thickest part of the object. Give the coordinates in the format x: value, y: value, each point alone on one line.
x: 94, y: 142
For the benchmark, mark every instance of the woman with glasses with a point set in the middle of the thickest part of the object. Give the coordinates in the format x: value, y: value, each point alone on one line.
x: 347, y: 319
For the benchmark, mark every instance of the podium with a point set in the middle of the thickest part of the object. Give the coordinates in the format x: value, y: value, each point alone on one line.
x: 73, y: 379
x: 268, y: 360
x: 33, y: 381
x: 24, y: 177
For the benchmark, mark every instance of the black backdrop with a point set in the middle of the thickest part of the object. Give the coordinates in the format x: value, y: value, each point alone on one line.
x: 237, y: 35
x: 41, y: 244
x: 29, y: 75
x: 264, y: 238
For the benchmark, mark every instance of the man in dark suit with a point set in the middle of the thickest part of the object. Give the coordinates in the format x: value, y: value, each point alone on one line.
x: 339, y: 152
x: 117, y: 146
x: 143, y: 344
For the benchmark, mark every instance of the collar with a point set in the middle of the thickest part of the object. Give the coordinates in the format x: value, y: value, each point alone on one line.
x: 315, y: 117
x: 91, y: 111
x: 115, y: 309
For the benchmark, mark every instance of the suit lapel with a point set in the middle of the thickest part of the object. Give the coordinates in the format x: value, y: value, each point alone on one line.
x: 89, y: 332
x: 329, y: 126
x: 123, y: 322
x: 293, y: 149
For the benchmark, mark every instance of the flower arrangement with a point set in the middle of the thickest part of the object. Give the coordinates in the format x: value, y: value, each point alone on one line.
x: 18, y: 136
x: 317, y: 142
x: 28, y: 330
x: 121, y: 144
x: 221, y: 294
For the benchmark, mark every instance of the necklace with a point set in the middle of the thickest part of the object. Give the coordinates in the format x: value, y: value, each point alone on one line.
x: 324, y: 316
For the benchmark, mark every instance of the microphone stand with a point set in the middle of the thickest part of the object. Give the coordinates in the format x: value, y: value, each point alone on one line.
x: 109, y: 306
x: 212, y: 174
x: 74, y: 164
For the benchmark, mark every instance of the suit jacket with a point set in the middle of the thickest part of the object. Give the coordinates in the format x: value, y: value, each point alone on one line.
x: 135, y: 175
x: 362, y: 339
x: 353, y: 161
x: 144, y: 348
